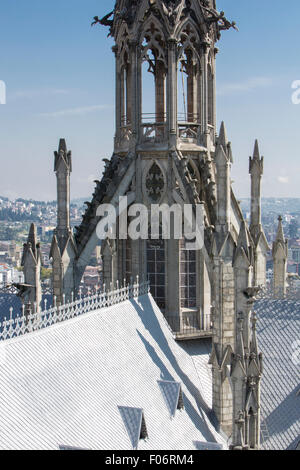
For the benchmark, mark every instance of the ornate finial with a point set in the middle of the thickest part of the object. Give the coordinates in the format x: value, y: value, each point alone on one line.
x: 212, y: 16
x: 280, y: 233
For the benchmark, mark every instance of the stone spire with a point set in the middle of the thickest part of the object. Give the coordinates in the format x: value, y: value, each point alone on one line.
x: 280, y: 256
x: 261, y: 247
x: 63, y: 168
x: 243, y: 244
x: 256, y: 168
x: 280, y: 234
x: 31, y: 263
x: 223, y: 136
x: 223, y: 161
x: 63, y: 248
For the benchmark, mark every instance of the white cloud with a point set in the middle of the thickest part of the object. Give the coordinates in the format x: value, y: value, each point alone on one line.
x: 283, y: 179
x: 86, y: 179
x: 245, y: 86
x: 36, y: 93
x: 76, y: 111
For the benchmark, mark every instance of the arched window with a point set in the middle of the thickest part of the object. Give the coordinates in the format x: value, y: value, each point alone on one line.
x: 148, y: 91
x: 188, y: 276
x: 125, y: 95
x: 154, y: 71
x: 125, y: 80
x: 187, y: 88
x: 189, y: 73
x: 156, y: 269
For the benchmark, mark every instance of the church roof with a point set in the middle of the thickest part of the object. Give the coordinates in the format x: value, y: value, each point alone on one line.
x: 94, y: 382
x: 278, y: 332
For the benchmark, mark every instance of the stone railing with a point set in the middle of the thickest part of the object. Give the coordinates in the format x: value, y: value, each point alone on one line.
x: 153, y: 132
x: 188, y: 131
x: 34, y: 321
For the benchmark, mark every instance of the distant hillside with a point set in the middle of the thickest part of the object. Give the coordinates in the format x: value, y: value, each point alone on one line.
x: 80, y: 201
x: 276, y: 205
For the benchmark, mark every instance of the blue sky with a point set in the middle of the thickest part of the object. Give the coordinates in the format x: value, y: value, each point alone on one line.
x: 59, y: 74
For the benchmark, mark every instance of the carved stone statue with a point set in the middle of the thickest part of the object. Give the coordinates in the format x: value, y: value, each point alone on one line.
x: 171, y: 9
x: 105, y: 21
x: 219, y: 19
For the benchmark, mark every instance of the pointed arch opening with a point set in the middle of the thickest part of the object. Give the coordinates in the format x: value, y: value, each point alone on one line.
x: 188, y: 83
x: 154, y: 74
x: 124, y: 86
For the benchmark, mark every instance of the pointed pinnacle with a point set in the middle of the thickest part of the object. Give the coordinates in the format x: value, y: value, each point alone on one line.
x: 223, y: 136
x: 280, y: 233
x: 256, y: 154
x: 32, y: 236
x: 243, y: 239
x: 62, y: 146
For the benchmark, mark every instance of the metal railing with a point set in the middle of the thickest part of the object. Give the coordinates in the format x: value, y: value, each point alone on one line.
x: 34, y: 321
x: 268, y: 292
x: 11, y: 289
x: 190, y: 324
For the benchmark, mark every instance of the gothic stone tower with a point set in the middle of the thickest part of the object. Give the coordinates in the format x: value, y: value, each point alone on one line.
x: 172, y: 154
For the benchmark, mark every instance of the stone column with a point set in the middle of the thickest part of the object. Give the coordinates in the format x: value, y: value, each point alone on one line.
x: 216, y: 50
x: 129, y: 90
x: 191, y: 90
x: 204, y: 117
x: 118, y: 97
x: 172, y: 92
x: 159, y: 92
x: 135, y: 91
